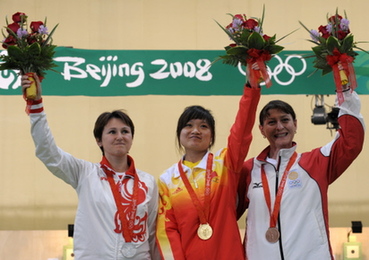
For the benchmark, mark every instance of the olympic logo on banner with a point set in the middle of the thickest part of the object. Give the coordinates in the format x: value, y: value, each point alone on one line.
x: 281, y: 67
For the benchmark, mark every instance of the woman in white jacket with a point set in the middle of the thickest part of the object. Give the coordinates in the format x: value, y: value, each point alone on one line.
x: 117, y: 203
x: 286, y: 192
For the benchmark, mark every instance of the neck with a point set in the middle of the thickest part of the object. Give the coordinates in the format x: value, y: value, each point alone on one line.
x: 118, y: 164
x: 194, y: 156
x: 273, y: 153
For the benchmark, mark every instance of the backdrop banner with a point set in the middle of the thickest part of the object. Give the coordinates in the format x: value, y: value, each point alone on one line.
x: 176, y: 72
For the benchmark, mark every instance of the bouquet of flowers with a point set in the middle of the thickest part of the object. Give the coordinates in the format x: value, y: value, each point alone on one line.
x: 250, y: 45
x: 334, y: 51
x: 29, y: 52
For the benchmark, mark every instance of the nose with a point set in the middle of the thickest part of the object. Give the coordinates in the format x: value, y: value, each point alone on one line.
x: 279, y: 125
x: 195, y: 130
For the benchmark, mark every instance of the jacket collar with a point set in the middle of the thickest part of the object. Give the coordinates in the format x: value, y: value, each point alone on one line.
x: 187, y: 170
x: 283, y: 153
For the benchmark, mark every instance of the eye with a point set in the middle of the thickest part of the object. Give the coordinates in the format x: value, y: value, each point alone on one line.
x: 125, y: 131
x: 271, y: 122
x: 112, y: 132
x: 188, y: 125
x: 204, y: 126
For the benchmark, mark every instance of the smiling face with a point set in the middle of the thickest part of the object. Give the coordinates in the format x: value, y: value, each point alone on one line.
x: 196, y: 136
x: 279, y: 128
x: 116, y: 138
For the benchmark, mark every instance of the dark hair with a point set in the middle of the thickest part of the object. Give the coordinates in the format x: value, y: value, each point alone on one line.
x: 196, y: 112
x: 276, y: 104
x: 104, y: 118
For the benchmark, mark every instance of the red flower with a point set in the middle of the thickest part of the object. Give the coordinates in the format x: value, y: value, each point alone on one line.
x: 232, y: 45
x: 334, y: 18
x: 10, y: 40
x: 250, y: 24
x: 13, y: 27
x: 238, y: 16
x: 323, y: 30
x: 266, y: 37
x: 342, y: 34
x: 17, y: 17
x: 35, y: 26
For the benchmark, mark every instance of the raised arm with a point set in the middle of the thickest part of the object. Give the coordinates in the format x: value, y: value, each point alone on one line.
x: 60, y: 163
x: 349, y: 139
x: 240, y: 136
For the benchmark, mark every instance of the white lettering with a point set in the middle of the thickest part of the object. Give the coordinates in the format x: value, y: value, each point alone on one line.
x: 160, y: 74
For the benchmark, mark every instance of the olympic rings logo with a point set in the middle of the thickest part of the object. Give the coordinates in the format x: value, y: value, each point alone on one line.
x: 281, y: 67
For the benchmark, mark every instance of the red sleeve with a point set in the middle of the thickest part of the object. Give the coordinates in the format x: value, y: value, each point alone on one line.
x: 245, y: 177
x: 240, y: 136
x: 347, y: 147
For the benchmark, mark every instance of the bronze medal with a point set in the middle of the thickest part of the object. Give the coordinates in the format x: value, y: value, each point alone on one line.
x: 272, y: 235
x: 204, y: 231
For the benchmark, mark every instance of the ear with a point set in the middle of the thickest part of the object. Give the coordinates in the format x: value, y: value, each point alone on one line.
x: 99, y: 143
x: 261, y: 128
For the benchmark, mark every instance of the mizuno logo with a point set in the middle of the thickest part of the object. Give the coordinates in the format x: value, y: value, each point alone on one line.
x: 257, y: 185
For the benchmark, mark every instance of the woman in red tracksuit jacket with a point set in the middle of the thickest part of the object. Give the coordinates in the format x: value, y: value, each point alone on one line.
x: 194, y: 224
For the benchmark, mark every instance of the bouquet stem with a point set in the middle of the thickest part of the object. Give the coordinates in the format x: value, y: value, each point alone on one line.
x: 31, y: 92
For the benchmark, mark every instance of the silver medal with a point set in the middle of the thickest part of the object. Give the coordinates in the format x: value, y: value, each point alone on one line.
x: 129, y: 250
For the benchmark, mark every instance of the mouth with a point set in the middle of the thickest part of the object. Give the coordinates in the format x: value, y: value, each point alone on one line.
x: 280, y: 135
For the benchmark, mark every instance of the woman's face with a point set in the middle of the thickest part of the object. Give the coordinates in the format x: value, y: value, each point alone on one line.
x: 279, y: 128
x: 196, y: 136
x: 116, y: 138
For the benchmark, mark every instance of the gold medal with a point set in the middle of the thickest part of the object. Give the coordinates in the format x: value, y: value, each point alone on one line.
x: 272, y: 235
x: 204, y: 231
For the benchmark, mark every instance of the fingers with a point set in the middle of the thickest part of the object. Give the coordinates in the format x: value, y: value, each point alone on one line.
x: 25, y: 83
x: 255, y: 66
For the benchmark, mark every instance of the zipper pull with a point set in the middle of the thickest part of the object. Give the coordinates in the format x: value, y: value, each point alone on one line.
x: 195, y: 182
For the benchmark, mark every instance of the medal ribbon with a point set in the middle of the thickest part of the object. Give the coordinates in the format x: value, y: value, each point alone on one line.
x: 126, y: 222
x: 278, y: 199
x: 344, y: 76
x: 259, y: 57
x: 202, y: 210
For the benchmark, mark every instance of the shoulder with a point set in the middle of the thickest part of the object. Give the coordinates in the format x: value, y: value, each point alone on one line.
x: 221, y: 153
x: 169, y: 173
x: 145, y: 177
